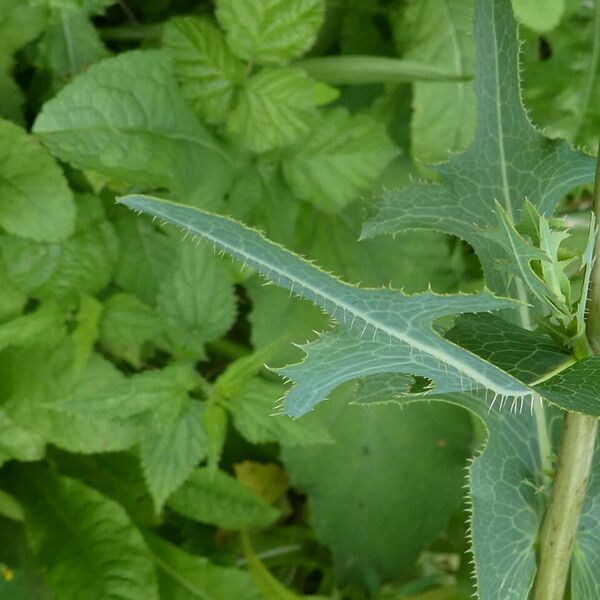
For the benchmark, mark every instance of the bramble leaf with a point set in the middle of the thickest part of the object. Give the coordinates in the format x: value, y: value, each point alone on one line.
x: 206, y: 69
x: 86, y: 542
x: 35, y: 200
x: 381, y: 330
x: 125, y: 118
x: 274, y: 108
x: 270, y: 31
x: 340, y: 157
x: 198, y: 301
x: 219, y: 499
x: 254, y: 416
x: 172, y: 448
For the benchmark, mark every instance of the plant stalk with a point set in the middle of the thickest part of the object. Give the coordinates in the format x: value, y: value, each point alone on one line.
x: 575, y: 455
x: 362, y: 70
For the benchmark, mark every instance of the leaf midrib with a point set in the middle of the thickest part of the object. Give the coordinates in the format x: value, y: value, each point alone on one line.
x: 393, y: 333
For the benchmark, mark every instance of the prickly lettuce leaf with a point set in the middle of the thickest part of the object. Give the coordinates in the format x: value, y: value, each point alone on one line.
x: 508, y: 161
x: 381, y: 330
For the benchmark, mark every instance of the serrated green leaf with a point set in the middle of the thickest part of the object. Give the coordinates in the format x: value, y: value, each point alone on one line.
x: 85, y: 333
x: 219, y: 499
x: 36, y: 202
x: 183, y: 576
x: 439, y: 32
x: 84, y: 263
x: 340, y: 157
x: 26, y: 329
x: 381, y: 330
x: 271, y: 31
x: 214, y: 422
x: 198, y: 301
x: 540, y: 15
x: 424, y: 450
x: 86, y: 542
x: 127, y: 324
x: 274, y: 108
x: 16, y: 442
x: 204, y: 66
x: 146, y: 259
x: 255, y: 416
x: 507, y: 162
x: 171, y: 450
x: 125, y: 118
x: 28, y: 265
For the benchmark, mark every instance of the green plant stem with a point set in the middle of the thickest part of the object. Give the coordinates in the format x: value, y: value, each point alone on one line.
x: 360, y: 70
x: 564, y: 507
x: 574, y: 463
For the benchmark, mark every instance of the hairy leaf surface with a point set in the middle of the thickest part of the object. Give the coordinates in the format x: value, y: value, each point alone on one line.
x: 381, y: 330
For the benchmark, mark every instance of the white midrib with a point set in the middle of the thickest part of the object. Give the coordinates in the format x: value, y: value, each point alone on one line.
x: 538, y: 408
x: 394, y: 333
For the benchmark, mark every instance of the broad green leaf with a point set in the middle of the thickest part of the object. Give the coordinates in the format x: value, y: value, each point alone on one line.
x: 85, y: 333
x: 270, y: 31
x: 12, y: 299
x: 387, y: 466
x: 146, y: 259
x: 16, y: 442
x: 198, y: 301
x: 27, y: 329
x: 439, y: 32
x: 125, y: 118
x: 255, y: 416
x: 382, y: 330
x: 86, y: 542
x: 35, y: 200
x: 84, y: 263
x: 340, y: 157
x: 540, y: 15
x: 204, y: 66
x: 11, y: 99
x: 274, y: 108
x: 183, y: 576
x: 123, y: 410
x: 126, y: 326
x: 171, y: 450
x: 562, y: 89
x: 70, y: 44
x: 28, y: 265
x: 219, y: 499
x: 507, y: 162
x: 20, y: 23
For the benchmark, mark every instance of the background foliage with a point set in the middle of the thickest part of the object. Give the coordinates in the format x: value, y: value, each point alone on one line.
x: 140, y: 457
